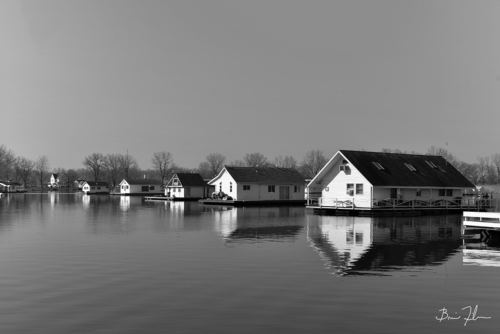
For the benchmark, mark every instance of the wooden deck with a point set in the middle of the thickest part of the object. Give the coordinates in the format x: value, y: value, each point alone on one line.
x: 397, y: 207
x: 210, y: 201
x: 165, y: 198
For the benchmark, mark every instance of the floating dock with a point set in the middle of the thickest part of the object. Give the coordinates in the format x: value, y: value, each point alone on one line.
x: 210, y: 201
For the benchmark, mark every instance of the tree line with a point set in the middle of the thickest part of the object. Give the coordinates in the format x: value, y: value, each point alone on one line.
x: 115, y: 167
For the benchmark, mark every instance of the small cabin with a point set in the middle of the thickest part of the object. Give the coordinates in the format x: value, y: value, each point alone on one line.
x: 144, y: 187
x: 260, y: 184
x: 95, y: 187
x: 11, y: 187
x: 188, y: 186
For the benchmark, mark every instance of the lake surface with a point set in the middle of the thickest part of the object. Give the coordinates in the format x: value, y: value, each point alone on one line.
x: 73, y: 263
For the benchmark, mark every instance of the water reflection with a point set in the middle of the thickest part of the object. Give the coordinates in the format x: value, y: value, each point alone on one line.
x: 257, y: 224
x: 377, y: 246
x: 481, y: 248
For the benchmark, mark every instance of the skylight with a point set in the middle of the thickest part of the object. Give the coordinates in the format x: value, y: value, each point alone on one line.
x: 410, y: 167
x: 431, y: 164
x: 379, y: 166
x: 441, y: 169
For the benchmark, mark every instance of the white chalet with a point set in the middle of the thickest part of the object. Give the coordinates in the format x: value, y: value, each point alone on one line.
x: 368, y: 180
x: 260, y: 184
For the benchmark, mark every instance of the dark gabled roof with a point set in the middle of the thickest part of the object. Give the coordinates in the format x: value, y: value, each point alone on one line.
x: 10, y: 183
x: 396, y: 173
x: 191, y: 180
x: 97, y: 183
x: 143, y: 181
x: 268, y: 175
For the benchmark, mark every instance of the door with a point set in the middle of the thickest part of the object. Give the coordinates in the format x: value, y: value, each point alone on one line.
x: 284, y: 192
x: 187, y: 192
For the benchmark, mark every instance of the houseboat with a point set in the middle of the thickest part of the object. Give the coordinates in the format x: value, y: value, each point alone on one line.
x: 140, y: 187
x: 257, y: 186
x: 371, y: 183
x: 95, y: 187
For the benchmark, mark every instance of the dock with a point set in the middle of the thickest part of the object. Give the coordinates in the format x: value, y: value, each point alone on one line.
x: 166, y: 198
x: 482, y: 220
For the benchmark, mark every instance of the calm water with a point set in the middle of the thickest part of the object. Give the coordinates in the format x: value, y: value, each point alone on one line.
x: 71, y: 263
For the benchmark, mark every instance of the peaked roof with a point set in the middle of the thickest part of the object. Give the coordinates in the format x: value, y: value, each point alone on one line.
x: 395, y: 171
x: 263, y: 175
x: 97, y: 183
x: 142, y: 181
x: 190, y: 179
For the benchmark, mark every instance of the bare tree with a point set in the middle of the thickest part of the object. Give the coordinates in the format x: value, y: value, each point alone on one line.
x: 312, y: 163
x: 286, y: 162
x: 495, y: 161
x: 7, y: 160
x: 95, y: 163
x: 255, y: 160
x: 205, y: 170
x: 129, y: 165
x: 450, y: 157
x: 483, y: 169
x: 24, y: 167
x: 237, y: 163
x: 113, y: 165
x: 162, y: 164
x: 72, y: 176
x: 42, y: 168
x: 216, y: 162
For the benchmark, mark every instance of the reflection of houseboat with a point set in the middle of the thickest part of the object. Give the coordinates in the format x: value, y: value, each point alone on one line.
x: 258, y: 186
x: 375, y: 246
x: 256, y: 224
x: 481, y: 247
x: 371, y: 183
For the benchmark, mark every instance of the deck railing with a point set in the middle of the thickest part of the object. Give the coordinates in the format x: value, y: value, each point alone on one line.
x: 393, y: 203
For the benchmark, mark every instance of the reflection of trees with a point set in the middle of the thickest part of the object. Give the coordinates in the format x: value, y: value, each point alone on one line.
x: 397, y: 242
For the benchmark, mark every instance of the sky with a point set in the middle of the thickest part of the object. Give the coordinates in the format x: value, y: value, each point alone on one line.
x: 279, y: 77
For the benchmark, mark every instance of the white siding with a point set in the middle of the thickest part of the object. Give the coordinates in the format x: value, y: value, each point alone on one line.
x: 334, y: 186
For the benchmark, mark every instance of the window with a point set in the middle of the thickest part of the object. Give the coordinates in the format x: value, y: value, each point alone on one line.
x: 449, y: 192
x: 145, y: 188
x: 151, y: 187
x: 98, y: 188
x: 441, y: 169
x: 350, y: 189
x: 410, y: 167
x: 359, y: 189
x: 296, y: 189
x: 441, y: 192
x: 220, y: 187
x: 270, y: 189
x: 230, y: 187
x: 379, y: 166
x: 246, y: 187
x: 419, y: 192
x: 431, y: 164
x: 175, y: 182
x: 92, y: 188
x: 341, y: 167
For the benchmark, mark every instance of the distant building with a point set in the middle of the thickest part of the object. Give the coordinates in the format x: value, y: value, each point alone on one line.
x: 188, y: 186
x: 146, y: 187
x: 11, y: 187
x: 54, y: 181
x: 95, y: 187
x: 259, y: 184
